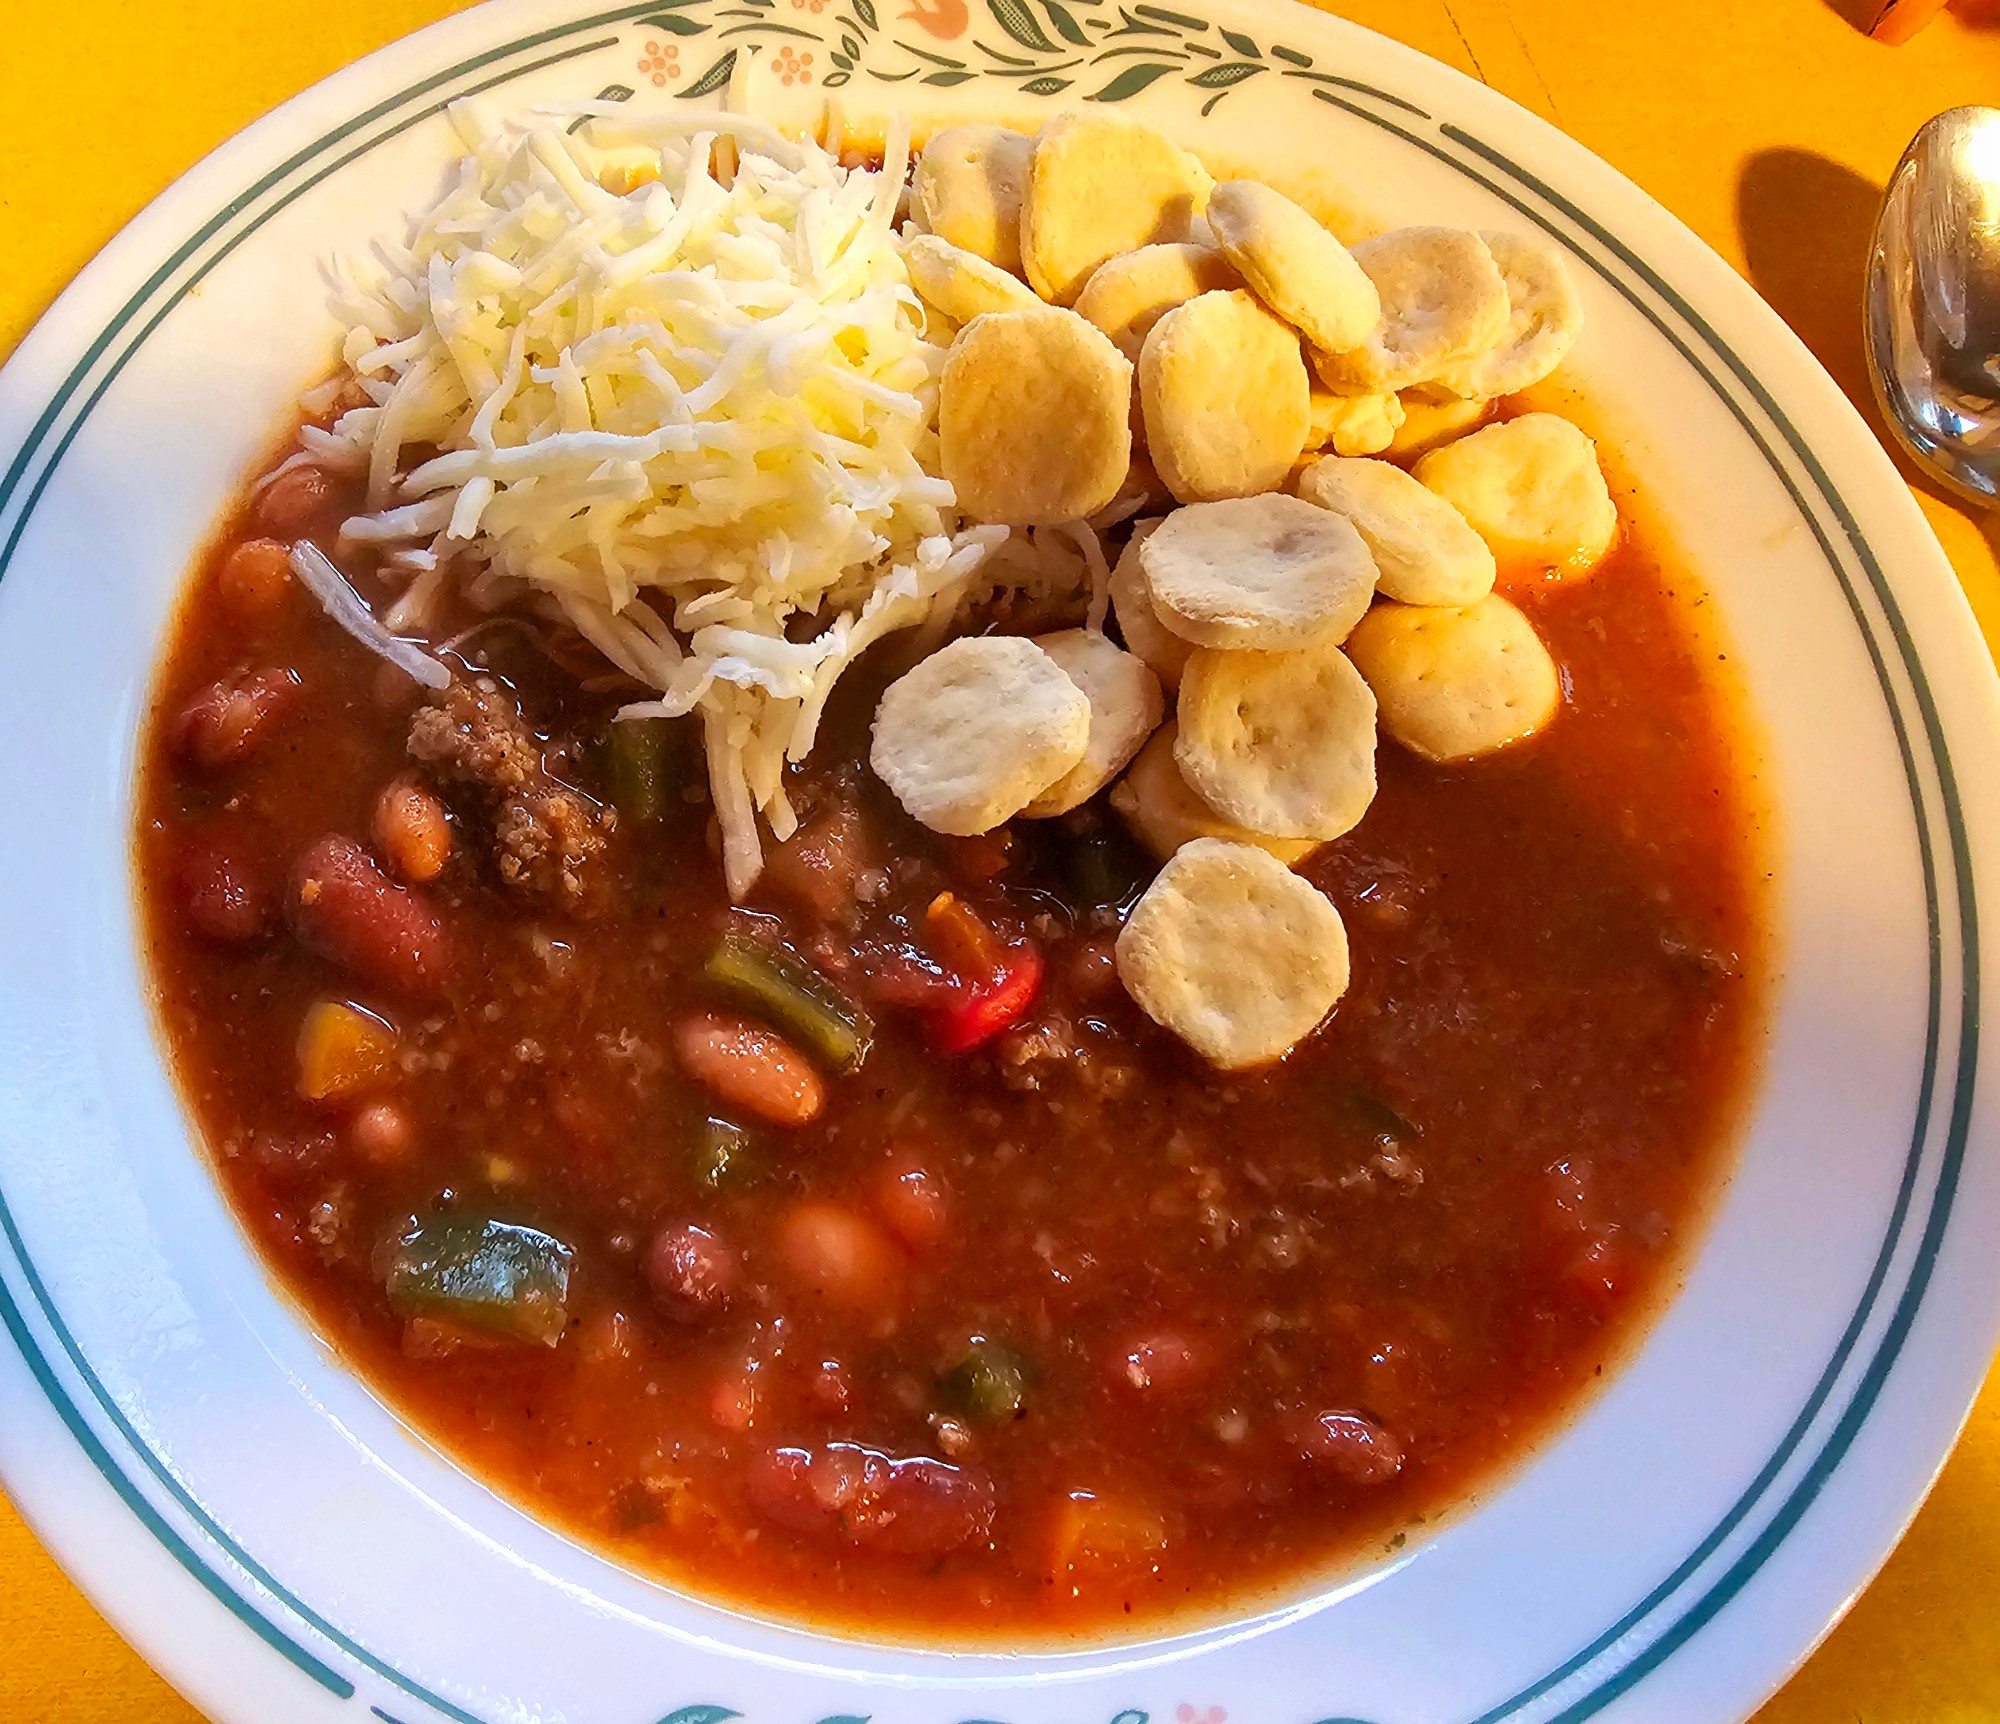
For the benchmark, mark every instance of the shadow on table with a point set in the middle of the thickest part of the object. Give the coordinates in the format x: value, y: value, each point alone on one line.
x: 1806, y: 223
x: 1973, y: 14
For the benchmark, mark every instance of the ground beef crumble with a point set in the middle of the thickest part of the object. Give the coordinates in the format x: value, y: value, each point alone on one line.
x: 543, y: 835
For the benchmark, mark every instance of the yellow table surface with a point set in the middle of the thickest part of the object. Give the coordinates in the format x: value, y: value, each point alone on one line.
x: 1768, y: 126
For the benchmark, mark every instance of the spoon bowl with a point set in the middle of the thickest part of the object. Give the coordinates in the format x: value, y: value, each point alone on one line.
x: 1933, y: 301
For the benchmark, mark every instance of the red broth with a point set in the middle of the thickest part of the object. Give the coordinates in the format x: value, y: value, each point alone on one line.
x: 1064, y: 1332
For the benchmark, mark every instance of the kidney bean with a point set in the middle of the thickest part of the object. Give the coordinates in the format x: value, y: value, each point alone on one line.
x: 750, y: 1066
x: 291, y: 501
x: 692, y: 1273
x: 223, y: 893
x: 223, y: 722
x: 913, y: 1506
x: 1351, y: 1446
x: 343, y: 907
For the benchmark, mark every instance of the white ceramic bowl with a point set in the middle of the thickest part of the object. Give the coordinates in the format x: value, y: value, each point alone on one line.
x: 284, y: 1549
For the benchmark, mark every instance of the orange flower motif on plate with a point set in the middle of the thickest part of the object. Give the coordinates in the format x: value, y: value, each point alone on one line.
x: 660, y: 61
x: 944, y: 19
x: 793, y: 67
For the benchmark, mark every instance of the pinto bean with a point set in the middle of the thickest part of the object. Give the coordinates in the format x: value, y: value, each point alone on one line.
x: 692, y: 1273
x: 912, y: 1507
x: 754, y: 1068
x: 412, y: 831
x: 289, y: 504
x: 1351, y: 1446
x: 913, y: 1201
x: 255, y: 579
x: 382, y: 1133
x: 223, y: 722
x: 342, y: 906
x: 843, y: 1257
x: 223, y: 894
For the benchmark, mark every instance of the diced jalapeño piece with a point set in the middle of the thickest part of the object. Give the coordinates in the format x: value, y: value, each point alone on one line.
x: 1103, y: 870
x: 639, y: 759
x: 726, y: 1157
x: 990, y: 1383
x: 794, y: 996
x: 489, y: 1277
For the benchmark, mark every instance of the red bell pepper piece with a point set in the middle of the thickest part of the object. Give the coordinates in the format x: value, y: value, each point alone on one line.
x: 1003, y: 981
x: 991, y: 1006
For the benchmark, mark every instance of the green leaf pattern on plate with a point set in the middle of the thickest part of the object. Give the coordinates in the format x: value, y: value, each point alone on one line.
x: 1130, y: 1715
x: 1042, y: 48
x: 1130, y: 82
x: 714, y: 78
x: 1014, y: 17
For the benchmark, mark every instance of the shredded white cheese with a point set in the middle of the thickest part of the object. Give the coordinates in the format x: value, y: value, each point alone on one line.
x: 699, y: 416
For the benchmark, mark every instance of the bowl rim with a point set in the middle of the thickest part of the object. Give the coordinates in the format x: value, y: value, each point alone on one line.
x: 1937, y: 799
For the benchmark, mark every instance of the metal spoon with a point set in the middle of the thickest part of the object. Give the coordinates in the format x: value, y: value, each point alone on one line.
x: 1933, y: 303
